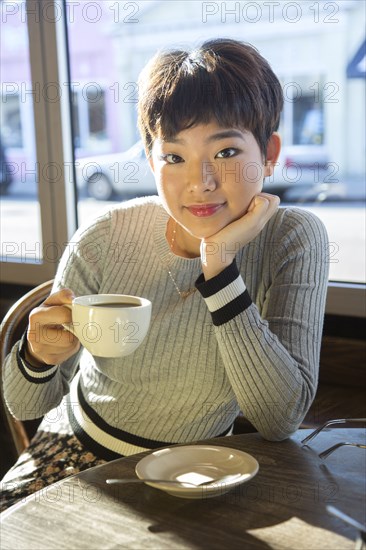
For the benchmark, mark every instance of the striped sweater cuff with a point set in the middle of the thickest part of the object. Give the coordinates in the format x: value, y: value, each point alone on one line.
x: 225, y: 295
x: 37, y: 375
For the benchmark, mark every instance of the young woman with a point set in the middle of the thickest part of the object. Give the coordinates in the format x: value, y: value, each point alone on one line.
x: 237, y: 284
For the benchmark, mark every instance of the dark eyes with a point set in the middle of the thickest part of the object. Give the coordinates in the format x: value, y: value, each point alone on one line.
x: 170, y: 158
x: 227, y: 153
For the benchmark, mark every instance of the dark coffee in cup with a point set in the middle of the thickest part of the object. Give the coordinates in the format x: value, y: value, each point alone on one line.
x: 116, y: 304
x: 104, y: 328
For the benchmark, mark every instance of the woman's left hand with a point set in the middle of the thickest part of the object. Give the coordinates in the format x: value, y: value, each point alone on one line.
x: 219, y: 250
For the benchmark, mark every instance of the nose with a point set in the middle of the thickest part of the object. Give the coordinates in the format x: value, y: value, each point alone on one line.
x: 203, y: 177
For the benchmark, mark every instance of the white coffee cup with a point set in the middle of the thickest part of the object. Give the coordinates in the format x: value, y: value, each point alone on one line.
x: 110, y: 325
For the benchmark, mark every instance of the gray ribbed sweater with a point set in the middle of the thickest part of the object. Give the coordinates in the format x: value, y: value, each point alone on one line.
x: 248, y: 339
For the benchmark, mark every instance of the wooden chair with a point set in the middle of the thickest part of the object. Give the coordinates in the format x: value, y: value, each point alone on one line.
x: 17, y: 433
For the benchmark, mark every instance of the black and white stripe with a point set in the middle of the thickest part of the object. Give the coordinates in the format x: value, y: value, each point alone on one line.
x: 225, y: 295
x: 37, y: 375
x: 104, y: 440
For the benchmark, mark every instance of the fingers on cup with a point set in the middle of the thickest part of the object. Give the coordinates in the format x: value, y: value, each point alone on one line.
x: 53, y: 344
x: 50, y: 315
x: 63, y: 296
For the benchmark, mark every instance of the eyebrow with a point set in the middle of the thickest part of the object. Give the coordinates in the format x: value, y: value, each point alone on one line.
x: 225, y: 134
x: 215, y: 137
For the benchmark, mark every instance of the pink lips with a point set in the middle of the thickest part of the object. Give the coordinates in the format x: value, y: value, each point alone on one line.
x: 204, y: 210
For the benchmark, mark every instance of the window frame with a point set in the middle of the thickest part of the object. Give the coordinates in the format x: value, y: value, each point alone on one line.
x: 48, y: 53
x: 53, y: 138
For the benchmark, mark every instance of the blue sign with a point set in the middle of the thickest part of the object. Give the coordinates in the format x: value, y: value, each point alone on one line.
x: 357, y: 66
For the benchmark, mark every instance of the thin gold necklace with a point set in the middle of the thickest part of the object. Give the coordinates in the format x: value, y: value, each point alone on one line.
x: 182, y: 293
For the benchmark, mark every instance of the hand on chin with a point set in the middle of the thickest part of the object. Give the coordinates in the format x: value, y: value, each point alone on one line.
x: 219, y: 250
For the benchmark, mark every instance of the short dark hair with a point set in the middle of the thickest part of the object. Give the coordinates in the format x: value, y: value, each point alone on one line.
x: 223, y: 80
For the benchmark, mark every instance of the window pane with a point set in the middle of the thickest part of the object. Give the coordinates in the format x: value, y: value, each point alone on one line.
x: 110, y: 160
x: 20, y: 235
x: 311, y: 47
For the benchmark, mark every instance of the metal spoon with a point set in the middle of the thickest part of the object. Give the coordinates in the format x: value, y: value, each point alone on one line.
x: 346, y: 518
x: 171, y: 481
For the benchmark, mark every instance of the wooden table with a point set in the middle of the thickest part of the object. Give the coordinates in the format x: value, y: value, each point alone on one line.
x: 284, y: 506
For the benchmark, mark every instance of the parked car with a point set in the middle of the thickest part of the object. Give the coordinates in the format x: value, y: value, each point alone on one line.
x: 121, y: 174
x: 302, y: 169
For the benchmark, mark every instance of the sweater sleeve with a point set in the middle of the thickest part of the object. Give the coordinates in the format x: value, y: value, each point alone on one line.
x: 31, y: 392
x: 271, y: 356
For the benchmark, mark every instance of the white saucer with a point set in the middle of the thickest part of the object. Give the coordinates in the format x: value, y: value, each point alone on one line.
x: 193, y: 464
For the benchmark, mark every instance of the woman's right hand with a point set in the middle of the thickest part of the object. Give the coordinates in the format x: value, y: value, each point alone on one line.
x: 48, y: 342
